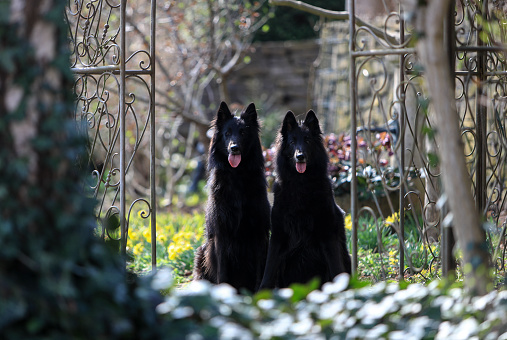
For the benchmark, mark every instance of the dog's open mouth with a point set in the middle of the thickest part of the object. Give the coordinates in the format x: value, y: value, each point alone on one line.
x: 301, y: 167
x: 234, y: 159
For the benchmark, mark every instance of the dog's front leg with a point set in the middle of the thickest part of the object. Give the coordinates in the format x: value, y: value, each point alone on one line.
x: 272, y: 263
x: 222, y: 266
x: 333, y: 258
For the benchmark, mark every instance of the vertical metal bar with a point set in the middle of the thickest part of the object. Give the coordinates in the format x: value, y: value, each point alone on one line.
x: 353, y: 126
x: 481, y: 118
x: 122, y: 113
x: 447, y: 237
x: 153, y: 195
x: 402, y: 112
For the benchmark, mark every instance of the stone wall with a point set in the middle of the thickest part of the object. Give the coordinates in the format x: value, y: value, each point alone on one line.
x: 314, y: 74
x: 332, y: 80
x: 277, y: 77
x: 371, y: 9
x: 331, y: 83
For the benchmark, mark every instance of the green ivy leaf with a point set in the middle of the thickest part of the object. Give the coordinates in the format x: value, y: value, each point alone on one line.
x: 302, y: 290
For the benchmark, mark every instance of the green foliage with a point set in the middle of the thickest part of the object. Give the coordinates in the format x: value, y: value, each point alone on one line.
x: 58, y: 281
x: 270, y: 123
x: 293, y: 24
x: 384, y: 310
x: 368, y: 235
x: 379, y: 254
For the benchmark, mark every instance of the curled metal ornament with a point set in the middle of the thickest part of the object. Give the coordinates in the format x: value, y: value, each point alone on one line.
x: 143, y: 213
x: 143, y: 59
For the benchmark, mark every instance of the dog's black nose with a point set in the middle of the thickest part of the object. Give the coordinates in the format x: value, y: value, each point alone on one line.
x: 300, y: 156
x: 234, y: 148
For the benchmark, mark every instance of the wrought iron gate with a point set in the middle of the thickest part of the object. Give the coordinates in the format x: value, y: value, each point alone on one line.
x: 115, y: 90
x: 384, y: 64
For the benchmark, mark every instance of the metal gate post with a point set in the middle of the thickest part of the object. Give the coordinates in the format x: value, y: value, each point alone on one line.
x: 153, y: 194
x: 401, y: 207
x: 353, y: 141
x: 481, y: 121
x: 123, y: 114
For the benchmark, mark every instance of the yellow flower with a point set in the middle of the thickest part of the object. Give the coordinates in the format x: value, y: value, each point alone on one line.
x: 147, y: 234
x: 132, y: 235
x: 182, y: 237
x: 393, y: 218
x: 180, y: 243
x: 138, y: 249
x: 348, y: 222
x: 172, y: 251
x: 198, y: 236
x: 175, y: 249
x: 162, y: 238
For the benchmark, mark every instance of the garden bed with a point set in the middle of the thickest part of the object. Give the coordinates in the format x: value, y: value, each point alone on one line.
x: 178, y: 235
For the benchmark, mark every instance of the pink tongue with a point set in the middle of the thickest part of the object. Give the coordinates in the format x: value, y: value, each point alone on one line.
x: 234, y: 160
x: 300, y: 167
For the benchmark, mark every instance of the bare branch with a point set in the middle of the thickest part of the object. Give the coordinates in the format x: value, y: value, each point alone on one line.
x: 336, y: 15
x: 233, y: 61
x: 326, y: 13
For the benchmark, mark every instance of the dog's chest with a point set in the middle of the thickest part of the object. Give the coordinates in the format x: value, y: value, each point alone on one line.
x: 303, y: 215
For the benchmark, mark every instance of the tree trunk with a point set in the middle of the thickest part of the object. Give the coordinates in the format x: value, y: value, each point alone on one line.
x: 29, y: 93
x: 455, y: 176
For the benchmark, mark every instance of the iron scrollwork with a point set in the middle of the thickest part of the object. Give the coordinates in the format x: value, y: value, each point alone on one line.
x: 96, y: 33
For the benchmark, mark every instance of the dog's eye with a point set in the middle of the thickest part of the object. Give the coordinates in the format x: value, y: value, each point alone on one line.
x: 307, y: 140
x: 227, y: 134
x: 242, y: 132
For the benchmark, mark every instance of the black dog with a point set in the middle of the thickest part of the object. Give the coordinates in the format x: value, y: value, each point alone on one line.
x: 238, y: 211
x: 308, y: 229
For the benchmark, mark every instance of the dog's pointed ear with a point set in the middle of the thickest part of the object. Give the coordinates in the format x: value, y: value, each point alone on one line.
x: 312, y: 122
x: 250, y: 113
x: 289, y: 123
x: 223, y: 113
